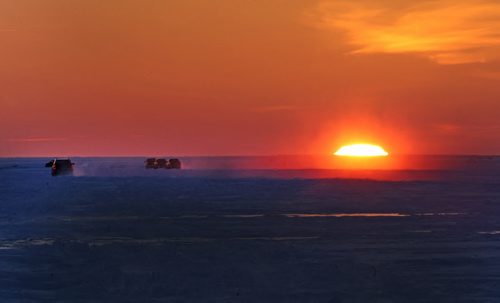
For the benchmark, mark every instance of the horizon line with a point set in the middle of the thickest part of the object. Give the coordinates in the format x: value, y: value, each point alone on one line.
x: 236, y: 156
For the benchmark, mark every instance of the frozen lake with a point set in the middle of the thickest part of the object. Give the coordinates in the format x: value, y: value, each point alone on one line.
x: 221, y: 232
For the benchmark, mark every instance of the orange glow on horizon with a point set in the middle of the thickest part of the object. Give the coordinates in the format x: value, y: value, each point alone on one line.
x: 361, y: 150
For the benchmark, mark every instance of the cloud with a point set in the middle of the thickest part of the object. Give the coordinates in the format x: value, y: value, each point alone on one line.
x: 32, y: 140
x: 460, y: 130
x: 486, y: 74
x: 446, y: 31
x: 275, y: 108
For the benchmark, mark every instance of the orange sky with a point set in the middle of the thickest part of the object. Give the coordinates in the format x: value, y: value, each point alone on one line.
x: 225, y: 77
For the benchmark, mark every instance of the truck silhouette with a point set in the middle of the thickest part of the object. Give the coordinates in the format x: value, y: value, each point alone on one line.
x: 153, y: 163
x: 60, y: 167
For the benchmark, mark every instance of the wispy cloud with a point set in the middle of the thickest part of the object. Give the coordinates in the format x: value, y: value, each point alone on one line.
x: 275, y: 108
x: 487, y: 74
x: 458, y: 129
x: 446, y: 31
x: 31, y: 140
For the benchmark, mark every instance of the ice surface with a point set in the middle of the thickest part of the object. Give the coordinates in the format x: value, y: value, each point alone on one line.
x: 227, y: 233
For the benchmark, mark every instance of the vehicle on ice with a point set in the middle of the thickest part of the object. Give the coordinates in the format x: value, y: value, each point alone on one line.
x: 60, y: 167
x: 153, y: 163
x: 174, y: 163
x: 161, y: 163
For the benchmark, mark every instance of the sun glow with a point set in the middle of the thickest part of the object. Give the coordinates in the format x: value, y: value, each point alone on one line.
x: 361, y: 150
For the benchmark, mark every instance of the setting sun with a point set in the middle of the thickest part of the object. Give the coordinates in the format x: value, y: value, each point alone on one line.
x: 361, y: 150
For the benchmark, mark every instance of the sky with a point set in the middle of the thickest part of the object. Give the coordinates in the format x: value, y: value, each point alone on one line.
x: 248, y: 77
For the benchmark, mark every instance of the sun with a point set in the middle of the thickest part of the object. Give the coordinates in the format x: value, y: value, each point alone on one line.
x: 361, y: 150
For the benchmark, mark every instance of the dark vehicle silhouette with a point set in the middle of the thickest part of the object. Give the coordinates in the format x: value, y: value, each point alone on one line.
x: 174, y: 164
x: 60, y: 167
x: 153, y: 163
x: 150, y: 163
x: 161, y: 163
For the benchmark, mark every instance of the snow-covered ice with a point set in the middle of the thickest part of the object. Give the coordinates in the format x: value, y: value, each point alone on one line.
x: 118, y: 232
